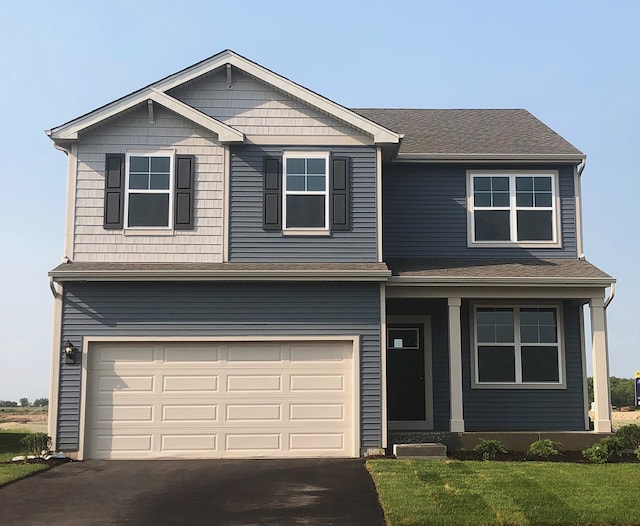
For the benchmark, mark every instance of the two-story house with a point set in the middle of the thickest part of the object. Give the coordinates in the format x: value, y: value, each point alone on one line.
x: 252, y: 270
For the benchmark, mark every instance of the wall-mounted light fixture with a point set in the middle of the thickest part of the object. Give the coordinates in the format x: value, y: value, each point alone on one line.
x: 69, y: 352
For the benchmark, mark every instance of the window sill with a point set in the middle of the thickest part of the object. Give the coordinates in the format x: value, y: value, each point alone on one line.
x: 148, y: 231
x: 527, y: 245
x: 518, y: 386
x: 306, y: 232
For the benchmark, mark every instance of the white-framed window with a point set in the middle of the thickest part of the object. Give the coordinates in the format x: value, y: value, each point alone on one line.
x: 517, y: 346
x: 507, y: 208
x: 306, y: 191
x: 149, y: 189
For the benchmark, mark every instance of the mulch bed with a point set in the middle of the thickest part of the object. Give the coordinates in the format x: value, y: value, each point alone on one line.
x: 518, y: 456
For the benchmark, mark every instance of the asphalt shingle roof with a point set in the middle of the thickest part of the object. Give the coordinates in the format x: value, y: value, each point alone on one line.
x: 531, y: 268
x: 471, y: 132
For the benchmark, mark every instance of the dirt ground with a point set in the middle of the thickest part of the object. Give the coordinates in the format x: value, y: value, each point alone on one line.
x: 621, y: 418
x: 29, y: 419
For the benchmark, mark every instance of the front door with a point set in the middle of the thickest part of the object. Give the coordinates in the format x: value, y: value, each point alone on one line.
x: 406, y: 392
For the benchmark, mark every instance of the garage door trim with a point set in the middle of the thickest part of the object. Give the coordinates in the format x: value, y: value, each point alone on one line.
x: 88, y: 342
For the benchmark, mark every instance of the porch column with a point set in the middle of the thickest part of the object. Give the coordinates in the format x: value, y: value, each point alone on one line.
x: 456, y: 422
x: 600, y: 360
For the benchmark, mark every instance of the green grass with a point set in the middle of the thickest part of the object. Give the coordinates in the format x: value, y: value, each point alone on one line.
x: 422, y: 492
x: 10, y: 447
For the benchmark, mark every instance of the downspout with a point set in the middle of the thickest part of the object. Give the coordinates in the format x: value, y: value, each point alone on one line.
x: 612, y: 294
x: 578, y: 190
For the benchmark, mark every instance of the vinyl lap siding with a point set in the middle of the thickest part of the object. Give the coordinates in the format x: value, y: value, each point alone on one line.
x: 500, y: 409
x: 530, y: 409
x: 248, y: 242
x: 133, y: 132
x: 255, y: 108
x: 425, y: 215
x: 229, y: 309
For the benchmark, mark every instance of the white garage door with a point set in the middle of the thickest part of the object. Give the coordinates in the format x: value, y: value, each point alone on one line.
x: 220, y: 400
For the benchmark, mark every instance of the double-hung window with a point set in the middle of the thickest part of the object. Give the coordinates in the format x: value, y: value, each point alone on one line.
x: 517, y: 345
x: 512, y: 208
x: 306, y: 202
x: 149, y: 190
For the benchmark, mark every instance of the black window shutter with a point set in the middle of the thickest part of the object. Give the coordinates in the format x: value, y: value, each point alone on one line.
x: 184, y: 190
x: 272, y: 198
x: 339, y: 194
x: 114, y: 191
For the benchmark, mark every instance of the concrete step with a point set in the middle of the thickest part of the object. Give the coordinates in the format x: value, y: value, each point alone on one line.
x: 432, y: 451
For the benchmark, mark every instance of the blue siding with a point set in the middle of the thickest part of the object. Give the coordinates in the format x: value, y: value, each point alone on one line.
x: 425, y: 215
x: 225, y: 309
x: 501, y: 409
x: 530, y: 409
x: 248, y: 242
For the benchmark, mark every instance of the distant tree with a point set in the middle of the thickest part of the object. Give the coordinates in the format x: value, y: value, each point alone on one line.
x: 8, y: 403
x: 41, y: 402
x: 622, y: 391
x: 24, y: 402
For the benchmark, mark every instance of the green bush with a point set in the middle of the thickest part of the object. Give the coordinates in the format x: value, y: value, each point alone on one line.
x: 604, y: 450
x: 630, y: 436
x: 489, y: 448
x: 638, y: 453
x: 544, y: 448
x: 37, y: 443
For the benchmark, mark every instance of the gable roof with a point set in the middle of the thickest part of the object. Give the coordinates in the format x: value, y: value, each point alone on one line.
x: 158, y: 93
x: 473, y: 134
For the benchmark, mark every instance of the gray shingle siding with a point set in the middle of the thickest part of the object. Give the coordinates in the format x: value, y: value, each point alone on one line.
x: 425, y: 214
x: 249, y: 242
x: 225, y: 309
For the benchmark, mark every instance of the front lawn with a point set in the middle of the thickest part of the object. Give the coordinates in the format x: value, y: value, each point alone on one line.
x: 10, y: 447
x: 424, y: 492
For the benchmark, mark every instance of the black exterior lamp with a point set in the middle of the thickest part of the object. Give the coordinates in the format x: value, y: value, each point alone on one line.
x: 69, y: 352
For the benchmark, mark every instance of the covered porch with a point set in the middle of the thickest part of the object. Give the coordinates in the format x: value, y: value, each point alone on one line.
x: 494, y: 346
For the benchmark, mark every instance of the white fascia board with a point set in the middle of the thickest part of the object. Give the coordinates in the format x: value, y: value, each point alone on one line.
x: 71, y: 130
x: 440, y: 281
x: 224, y: 275
x: 226, y: 134
x: 380, y: 134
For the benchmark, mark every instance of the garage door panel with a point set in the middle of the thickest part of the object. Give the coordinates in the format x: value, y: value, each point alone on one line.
x: 116, y: 354
x: 118, y: 414
x: 317, y: 382
x: 189, y: 354
x: 316, y: 441
x: 252, y: 412
x: 258, y: 442
x: 190, y: 384
x: 316, y: 412
x: 189, y: 443
x: 195, y: 413
x: 254, y: 383
x: 255, y: 353
x: 110, y: 383
x: 183, y: 403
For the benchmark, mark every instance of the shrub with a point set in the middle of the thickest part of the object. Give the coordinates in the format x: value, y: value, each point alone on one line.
x: 604, y: 450
x: 544, y: 448
x: 489, y: 448
x: 37, y: 443
x: 629, y: 435
x: 638, y: 453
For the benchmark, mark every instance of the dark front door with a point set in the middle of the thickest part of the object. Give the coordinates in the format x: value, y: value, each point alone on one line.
x: 405, y: 373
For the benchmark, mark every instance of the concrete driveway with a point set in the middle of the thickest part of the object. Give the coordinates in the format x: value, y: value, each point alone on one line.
x: 192, y: 492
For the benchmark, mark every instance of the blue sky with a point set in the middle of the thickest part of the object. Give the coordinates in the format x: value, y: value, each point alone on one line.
x: 573, y: 64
